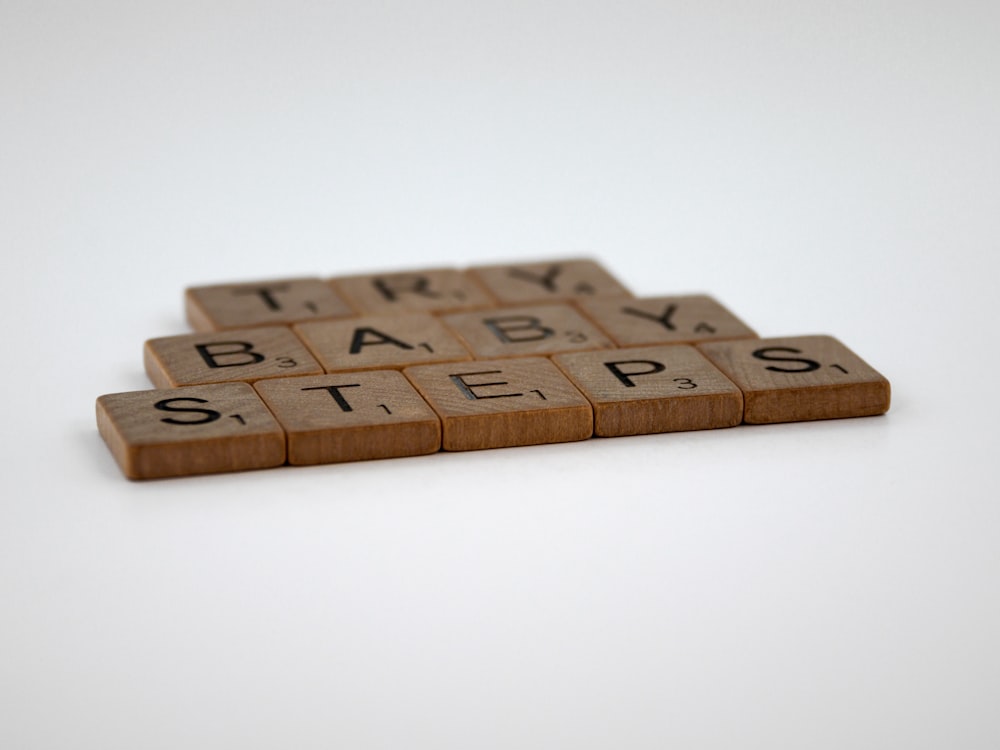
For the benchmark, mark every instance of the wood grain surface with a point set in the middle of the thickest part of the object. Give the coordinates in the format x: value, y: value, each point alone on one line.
x: 246, y: 305
x: 527, y: 331
x: 800, y: 378
x: 653, y: 389
x: 429, y: 290
x: 645, y: 321
x: 351, y: 417
x: 245, y: 355
x: 547, y: 281
x: 500, y: 403
x: 378, y: 342
x: 196, y: 430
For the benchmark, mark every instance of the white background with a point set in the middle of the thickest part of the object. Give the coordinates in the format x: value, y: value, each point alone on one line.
x: 819, y: 167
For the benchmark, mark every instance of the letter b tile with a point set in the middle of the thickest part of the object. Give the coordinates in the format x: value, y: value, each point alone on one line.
x: 246, y: 355
x: 527, y: 331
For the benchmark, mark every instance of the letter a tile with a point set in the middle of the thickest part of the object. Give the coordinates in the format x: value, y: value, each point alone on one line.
x: 381, y: 342
x: 226, y: 356
x: 501, y: 403
x: 653, y: 389
x: 197, y: 430
x: 351, y: 417
x: 246, y: 305
x: 800, y: 378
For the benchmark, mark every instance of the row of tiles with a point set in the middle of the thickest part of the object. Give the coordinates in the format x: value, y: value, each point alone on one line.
x: 285, y: 301
x: 401, y: 340
x: 350, y: 416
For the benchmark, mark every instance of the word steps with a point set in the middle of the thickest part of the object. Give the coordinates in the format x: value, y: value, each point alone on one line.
x: 311, y: 371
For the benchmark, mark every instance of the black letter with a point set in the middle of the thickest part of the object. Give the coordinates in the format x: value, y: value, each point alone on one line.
x: 165, y: 405
x: 625, y: 378
x: 466, y: 388
x: 264, y: 292
x: 810, y: 365
x: 547, y: 280
x: 664, y: 319
x: 244, y: 347
x: 522, y: 323
x: 358, y: 340
x: 334, y: 390
x: 419, y: 286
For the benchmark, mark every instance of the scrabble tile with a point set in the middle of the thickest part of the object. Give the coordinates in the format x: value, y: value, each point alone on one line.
x: 526, y: 331
x: 351, y: 417
x: 379, y: 342
x: 247, y: 354
x: 653, y: 389
x: 548, y: 281
x: 196, y: 430
x: 646, y: 321
x: 247, y: 305
x: 432, y: 290
x: 501, y: 403
x: 800, y: 378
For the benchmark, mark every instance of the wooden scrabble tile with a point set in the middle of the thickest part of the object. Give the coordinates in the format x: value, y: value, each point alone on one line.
x: 246, y: 305
x: 196, y: 430
x: 653, y: 389
x: 526, y: 331
x: 380, y: 342
x: 664, y: 320
x: 351, y: 417
x: 247, y: 354
x: 800, y: 378
x: 548, y: 281
x: 431, y: 290
x: 501, y: 403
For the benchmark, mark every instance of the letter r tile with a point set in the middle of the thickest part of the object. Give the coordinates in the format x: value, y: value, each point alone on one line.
x: 434, y: 290
x: 246, y: 355
x: 653, y: 389
x: 351, y: 416
x: 197, y: 430
x: 501, y: 403
x: 800, y: 378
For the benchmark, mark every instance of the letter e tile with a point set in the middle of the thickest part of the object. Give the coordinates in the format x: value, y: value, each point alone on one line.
x: 800, y: 378
x: 196, y: 430
x: 653, y: 389
x: 351, y: 417
x: 501, y: 403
